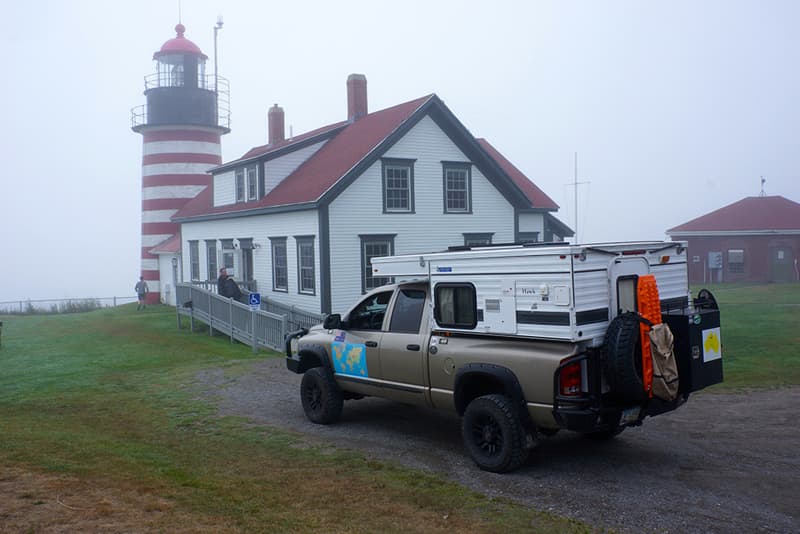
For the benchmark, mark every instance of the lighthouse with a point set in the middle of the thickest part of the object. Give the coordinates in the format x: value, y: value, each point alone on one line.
x: 185, y: 115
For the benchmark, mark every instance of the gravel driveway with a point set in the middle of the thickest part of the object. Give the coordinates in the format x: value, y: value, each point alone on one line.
x: 721, y: 463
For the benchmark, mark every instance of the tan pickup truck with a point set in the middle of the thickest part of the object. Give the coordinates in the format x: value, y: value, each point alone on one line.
x: 420, y: 342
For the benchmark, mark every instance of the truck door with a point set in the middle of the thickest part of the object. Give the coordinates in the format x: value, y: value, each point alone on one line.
x: 402, y: 346
x: 356, y: 351
x: 623, y: 274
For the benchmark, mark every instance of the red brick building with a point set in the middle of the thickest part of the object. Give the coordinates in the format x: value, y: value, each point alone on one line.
x: 756, y: 239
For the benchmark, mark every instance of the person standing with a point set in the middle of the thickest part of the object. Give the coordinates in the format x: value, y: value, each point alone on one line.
x: 141, y: 292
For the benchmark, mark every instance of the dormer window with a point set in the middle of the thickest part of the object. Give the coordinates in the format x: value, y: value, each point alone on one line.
x: 252, y: 183
x: 239, y: 185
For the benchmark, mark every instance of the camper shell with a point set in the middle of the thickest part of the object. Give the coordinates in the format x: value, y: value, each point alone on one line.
x: 554, y: 291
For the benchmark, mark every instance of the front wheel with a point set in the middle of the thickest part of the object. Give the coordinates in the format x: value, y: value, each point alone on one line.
x: 493, y: 433
x: 321, y: 397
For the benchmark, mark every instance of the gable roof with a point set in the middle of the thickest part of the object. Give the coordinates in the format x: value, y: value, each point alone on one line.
x: 351, y: 147
x: 751, y: 214
x: 537, y: 197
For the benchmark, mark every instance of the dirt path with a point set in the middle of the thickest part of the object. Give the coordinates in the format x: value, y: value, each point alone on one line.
x: 721, y: 463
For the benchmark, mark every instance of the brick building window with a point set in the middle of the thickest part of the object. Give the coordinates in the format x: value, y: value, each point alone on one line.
x: 735, y: 260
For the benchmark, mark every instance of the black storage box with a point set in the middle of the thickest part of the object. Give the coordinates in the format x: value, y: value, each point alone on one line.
x: 698, y: 347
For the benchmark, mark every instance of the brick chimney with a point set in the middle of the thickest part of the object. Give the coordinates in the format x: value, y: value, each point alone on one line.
x: 356, y: 96
x: 275, y: 127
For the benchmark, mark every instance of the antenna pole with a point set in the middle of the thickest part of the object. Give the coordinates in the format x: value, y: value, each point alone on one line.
x: 217, y: 28
x: 575, y: 183
x: 576, y: 198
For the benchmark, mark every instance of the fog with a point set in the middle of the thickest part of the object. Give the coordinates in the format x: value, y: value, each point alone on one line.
x: 674, y: 108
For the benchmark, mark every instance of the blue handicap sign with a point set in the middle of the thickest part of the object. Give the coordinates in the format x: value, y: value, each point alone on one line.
x: 255, y: 300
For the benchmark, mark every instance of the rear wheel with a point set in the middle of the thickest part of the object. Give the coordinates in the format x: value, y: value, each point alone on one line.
x: 493, y: 433
x: 321, y: 397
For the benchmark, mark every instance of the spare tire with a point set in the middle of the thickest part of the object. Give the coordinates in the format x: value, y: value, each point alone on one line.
x: 623, y: 358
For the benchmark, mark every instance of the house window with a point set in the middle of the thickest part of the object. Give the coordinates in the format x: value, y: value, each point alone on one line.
x: 456, y: 305
x: 735, y: 260
x: 398, y: 186
x: 528, y: 237
x: 477, y: 240
x: 211, y: 258
x: 374, y: 246
x: 305, y: 264
x: 457, y: 187
x: 239, y: 185
x: 252, y: 183
x: 280, y: 266
x: 194, y: 260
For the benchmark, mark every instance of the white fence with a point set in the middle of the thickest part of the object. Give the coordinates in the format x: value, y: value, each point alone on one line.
x: 40, y: 306
x: 257, y: 328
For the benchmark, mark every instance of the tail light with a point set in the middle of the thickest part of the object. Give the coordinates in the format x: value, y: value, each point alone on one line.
x: 570, y: 380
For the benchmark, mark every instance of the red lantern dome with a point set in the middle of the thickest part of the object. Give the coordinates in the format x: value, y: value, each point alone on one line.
x: 179, y: 45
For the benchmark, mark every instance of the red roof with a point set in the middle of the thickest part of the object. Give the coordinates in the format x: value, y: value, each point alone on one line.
x: 320, y: 172
x: 748, y: 214
x: 179, y: 45
x: 170, y: 245
x: 349, y: 144
x: 537, y: 197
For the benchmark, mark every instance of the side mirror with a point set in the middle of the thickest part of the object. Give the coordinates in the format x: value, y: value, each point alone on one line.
x: 332, y: 321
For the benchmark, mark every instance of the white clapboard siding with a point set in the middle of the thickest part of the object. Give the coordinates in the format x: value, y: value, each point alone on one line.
x: 279, y: 168
x: 260, y: 228
x: 359, y: 211
x: 532, y: 222
x: 224, y: 189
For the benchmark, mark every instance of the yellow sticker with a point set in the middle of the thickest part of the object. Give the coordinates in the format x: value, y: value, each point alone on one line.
x: 712, y: 345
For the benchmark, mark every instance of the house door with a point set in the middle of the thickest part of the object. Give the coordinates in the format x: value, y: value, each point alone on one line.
x: 781, y: 264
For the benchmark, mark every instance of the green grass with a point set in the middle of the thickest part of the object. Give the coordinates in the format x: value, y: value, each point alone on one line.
x: 105, y: 397
x: 760, y: 334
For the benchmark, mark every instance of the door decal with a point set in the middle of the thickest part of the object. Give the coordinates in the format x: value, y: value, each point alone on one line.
x: 350, y: 358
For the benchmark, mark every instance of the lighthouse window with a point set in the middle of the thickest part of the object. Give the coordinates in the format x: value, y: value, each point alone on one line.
x: 239, y: 185
x: 252, y: 183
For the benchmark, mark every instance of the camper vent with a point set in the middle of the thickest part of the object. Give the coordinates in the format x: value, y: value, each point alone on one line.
x: 492, y: 304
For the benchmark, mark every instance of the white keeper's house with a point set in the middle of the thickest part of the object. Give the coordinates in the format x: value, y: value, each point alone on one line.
x: 300, y: 218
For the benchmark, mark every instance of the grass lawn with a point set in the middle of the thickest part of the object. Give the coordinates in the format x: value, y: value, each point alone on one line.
x: 101, y: 431
x: 760, y: 334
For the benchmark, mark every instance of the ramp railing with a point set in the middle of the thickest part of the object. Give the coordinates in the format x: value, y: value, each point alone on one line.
x: 257, y: 328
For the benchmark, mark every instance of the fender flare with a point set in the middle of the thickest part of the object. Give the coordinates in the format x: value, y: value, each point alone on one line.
x: 503, y: 376
x: 309, y: 353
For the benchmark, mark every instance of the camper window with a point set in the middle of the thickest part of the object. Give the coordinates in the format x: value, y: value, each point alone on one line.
x: 456, y: 305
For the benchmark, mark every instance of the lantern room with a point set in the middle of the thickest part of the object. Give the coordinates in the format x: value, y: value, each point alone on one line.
x: 180, y: 92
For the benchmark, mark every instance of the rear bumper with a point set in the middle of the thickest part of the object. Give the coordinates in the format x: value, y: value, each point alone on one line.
x: 592, y: 411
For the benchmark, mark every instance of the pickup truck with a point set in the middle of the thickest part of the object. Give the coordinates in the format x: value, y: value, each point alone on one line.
x: 510, y: 391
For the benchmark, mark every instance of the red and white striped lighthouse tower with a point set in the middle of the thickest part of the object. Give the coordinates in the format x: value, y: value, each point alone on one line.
x: 181, y: 124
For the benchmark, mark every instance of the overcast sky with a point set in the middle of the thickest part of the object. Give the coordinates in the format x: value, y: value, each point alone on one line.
x: 674, y: 108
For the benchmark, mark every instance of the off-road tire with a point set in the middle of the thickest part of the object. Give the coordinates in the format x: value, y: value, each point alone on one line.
x: 493, y: 433
x: 623, y: 359
x: 321, y: 397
